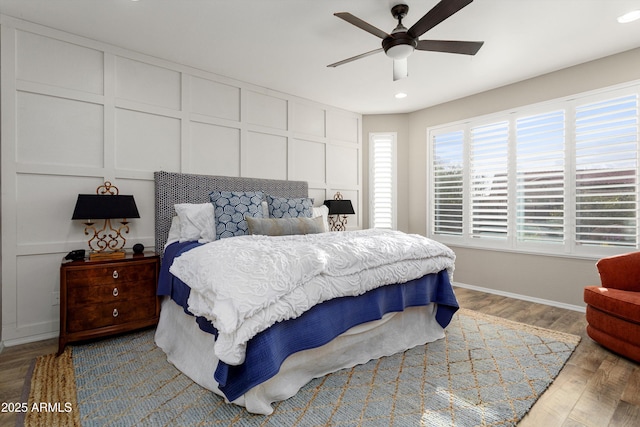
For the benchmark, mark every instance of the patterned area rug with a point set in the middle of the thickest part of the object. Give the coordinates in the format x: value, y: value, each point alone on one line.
x: 486, y: 372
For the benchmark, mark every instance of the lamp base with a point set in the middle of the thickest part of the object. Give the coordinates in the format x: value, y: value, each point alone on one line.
x: 338, y: 224
x: 107, y: 255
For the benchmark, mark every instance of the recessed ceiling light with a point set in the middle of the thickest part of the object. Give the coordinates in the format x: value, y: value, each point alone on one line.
x: 401, y: 95
x: 629, y: 17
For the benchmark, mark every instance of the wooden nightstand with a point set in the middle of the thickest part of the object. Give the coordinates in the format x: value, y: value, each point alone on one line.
x: 105, y: 297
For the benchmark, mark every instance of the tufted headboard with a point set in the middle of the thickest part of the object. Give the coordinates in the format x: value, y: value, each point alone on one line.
x: 174, y: 187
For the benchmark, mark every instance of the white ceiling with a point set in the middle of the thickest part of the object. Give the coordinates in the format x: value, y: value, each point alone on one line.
x: 286, y: 45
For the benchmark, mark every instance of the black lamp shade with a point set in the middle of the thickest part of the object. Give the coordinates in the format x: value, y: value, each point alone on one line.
x: 97, y: 206
x: 339, y: 207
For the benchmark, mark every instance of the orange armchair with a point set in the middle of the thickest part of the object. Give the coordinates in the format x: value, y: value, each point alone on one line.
x: 613, y: 309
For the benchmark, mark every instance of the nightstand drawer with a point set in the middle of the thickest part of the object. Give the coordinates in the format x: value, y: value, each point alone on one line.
x: 84, y: 295
x: 109, y: 314
x: 111, y: 274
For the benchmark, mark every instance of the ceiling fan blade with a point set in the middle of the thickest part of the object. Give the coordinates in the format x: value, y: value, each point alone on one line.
x: 361, y: 24
x: 353, y: 58
x: 450, y: 46
x: 436, y: 15
x: 400, y: 69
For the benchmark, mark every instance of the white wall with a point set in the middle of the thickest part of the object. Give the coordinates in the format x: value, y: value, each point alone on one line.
x: 555, y: 279
x: 77, y: 112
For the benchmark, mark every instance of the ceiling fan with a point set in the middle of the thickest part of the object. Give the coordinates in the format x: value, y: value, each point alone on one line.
x: 402, y: 42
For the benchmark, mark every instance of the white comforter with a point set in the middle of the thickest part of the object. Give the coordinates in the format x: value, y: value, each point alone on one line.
x: 246, y: 284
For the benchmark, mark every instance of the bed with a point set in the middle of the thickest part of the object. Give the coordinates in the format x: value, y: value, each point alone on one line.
x: 259, y: 349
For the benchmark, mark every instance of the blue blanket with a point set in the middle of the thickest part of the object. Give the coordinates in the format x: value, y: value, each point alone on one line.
x: 267, y: 351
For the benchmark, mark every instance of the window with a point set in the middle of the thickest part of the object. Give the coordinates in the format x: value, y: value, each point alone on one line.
x: 561, y: 177
x: 489, y: 180
x: 447, y: 183
x: 540, y: 173
x: 382, y: 180
x: 606, y: 172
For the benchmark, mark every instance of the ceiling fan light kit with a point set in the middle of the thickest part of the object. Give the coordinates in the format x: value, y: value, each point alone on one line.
x: 401, y: 43
x: 399, y: 51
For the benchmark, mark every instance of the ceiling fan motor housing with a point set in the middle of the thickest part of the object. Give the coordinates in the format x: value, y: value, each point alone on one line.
x: 400, y: 36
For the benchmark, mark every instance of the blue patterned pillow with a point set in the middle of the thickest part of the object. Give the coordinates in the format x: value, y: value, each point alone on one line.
x: 281, y: 207
x: 230, y: 208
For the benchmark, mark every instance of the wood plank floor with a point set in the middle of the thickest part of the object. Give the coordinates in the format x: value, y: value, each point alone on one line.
x: 596, y: 388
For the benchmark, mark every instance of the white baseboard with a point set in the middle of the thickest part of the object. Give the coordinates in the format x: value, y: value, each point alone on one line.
x: 30, y: 339
x: 523, y: 297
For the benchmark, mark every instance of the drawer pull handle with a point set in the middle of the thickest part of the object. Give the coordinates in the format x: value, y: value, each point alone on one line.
x: 115, y: 312
x: 115, y: 274
x: 115, y: 292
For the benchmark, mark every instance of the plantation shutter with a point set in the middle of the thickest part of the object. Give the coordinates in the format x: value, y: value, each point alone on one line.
x: 540, y: 173
x: 606, y: 172
x: 448, y: 169
x: 489, y: 180
x: 383, y: 181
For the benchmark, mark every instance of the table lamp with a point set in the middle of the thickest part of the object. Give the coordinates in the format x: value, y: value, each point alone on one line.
x: 107, y: 242
x: 339, y: 207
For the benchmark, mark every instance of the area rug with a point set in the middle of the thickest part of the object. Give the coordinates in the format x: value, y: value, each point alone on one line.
x: 487, y: 371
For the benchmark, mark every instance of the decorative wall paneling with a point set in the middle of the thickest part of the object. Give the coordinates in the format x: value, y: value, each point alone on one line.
x: 77, y: 112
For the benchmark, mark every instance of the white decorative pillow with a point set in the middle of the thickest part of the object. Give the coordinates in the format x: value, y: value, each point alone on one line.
x: 322, y: 211
x: 174, y: 231
x: 196, y: 222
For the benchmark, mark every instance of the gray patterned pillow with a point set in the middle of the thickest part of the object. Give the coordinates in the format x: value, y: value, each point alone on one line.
x: 281, y: 207
x: 285, y: 226
x: 231, y: 208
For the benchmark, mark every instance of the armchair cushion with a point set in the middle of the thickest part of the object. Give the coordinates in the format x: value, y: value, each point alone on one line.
x: 622, y: 304
x: 620, y: 272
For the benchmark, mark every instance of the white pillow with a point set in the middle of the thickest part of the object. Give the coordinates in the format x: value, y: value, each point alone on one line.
x: 322, y: 211
x: 196, y: 222
x: 174, y: 232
